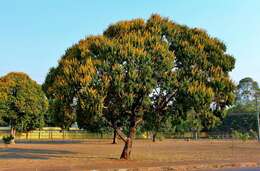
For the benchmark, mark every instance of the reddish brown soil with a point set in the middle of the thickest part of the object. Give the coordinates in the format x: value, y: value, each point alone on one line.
x: 101, y: 154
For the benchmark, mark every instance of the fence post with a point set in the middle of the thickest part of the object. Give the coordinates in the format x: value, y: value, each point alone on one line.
x: 257, y: 116
x: 258, y: 127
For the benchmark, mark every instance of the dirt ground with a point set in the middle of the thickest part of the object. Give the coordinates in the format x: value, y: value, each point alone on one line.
x: 101, y: 155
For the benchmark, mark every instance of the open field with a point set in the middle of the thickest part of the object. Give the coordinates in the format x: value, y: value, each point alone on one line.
x: 101, y: 154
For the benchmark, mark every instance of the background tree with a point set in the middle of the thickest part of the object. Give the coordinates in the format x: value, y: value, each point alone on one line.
x: 61, y: 88
x: 22, y: 102
x: 165, y: 126
x: 241, y: 116
x: 246, y: 90
x: 99, y: 126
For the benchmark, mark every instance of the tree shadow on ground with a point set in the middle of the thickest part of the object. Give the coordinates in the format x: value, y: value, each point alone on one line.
x: 45, y: 154
x: 35, y: 154
x: 49, y: 141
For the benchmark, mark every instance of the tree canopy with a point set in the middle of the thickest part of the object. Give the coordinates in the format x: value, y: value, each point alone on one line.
x: 138, y: 70
x: 22, y: 102
x: 246, y: 90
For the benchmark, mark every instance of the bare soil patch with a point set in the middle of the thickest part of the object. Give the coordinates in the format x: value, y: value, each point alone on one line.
x: 102, y: 155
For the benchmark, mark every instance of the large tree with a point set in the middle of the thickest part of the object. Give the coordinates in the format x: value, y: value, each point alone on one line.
x: 139, y: 68
x: 22, y: 101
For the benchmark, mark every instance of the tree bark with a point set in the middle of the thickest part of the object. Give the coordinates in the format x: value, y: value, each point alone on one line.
x: 115, y: 137
x: 154, y: 136
x: 126, y: 154
x: 13, y: 132
x: 26, y: 135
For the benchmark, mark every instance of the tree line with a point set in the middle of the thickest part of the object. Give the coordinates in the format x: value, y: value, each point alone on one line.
x: 242, y: 115
x: 149, y: 74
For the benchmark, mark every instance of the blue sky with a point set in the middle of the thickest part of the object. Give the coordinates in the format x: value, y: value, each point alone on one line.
x: 34, y: 34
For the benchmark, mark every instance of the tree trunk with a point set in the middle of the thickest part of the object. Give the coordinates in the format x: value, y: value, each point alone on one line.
x: 126, y: 154
x: 13, y: 132
x: 195, y: 135
x: 115, y: 137
x: 26, y: 135
x: 63, y: 134
x: 154, y: 136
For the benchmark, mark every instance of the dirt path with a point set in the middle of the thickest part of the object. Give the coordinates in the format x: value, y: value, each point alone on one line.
x: 101, y: 154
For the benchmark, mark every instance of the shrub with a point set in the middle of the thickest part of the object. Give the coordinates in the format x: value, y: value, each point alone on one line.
x: 240, y: 135
x: 160, y: 137
x: 7, y: 139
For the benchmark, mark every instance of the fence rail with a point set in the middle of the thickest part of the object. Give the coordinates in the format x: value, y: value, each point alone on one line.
x: 81, y: 135
x: 53, y: 135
